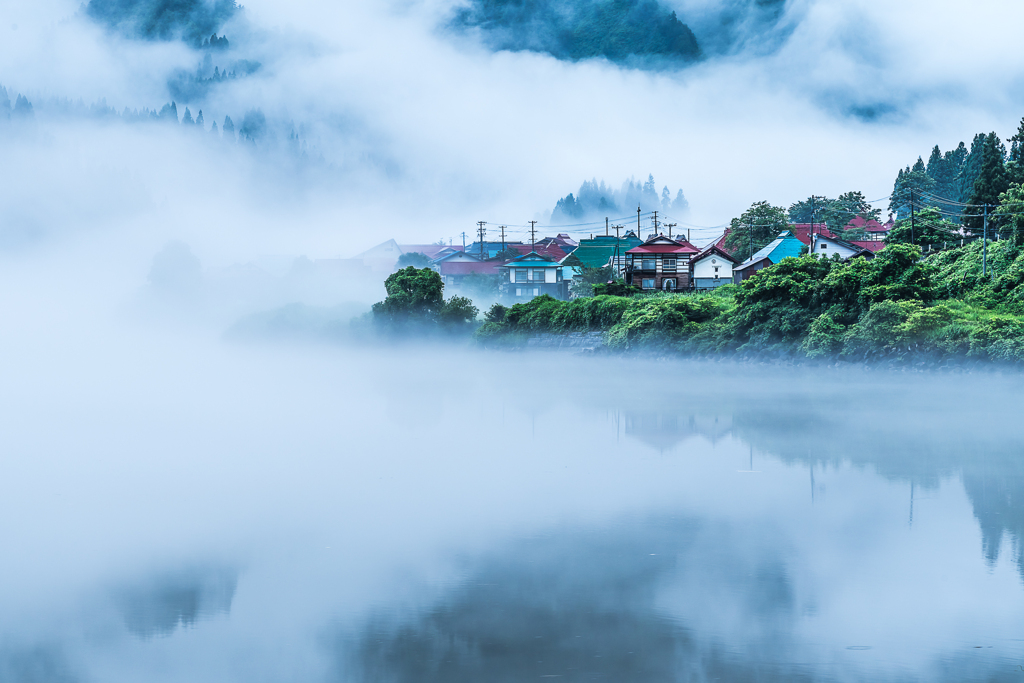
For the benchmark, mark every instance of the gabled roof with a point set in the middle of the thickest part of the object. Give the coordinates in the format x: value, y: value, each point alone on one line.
x: 869, y: 245
x: 868, y: 225
x: 598, y: 251
x: 430, y: 250
x: 659, y: 244
x: 753, y: 261
x: 802, y: 231
x: 464, y: 256
x: 713, y: 248
x: 533, y: 259
x: 786, y: 244
x: 468, y: 267
x: 552, y: 251
x: 860, y: 245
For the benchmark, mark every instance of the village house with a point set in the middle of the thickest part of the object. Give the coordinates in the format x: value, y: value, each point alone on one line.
x: 456, y: 266
x: 660, y: 264
x: 828, y: 247
x: 786, y: 244
x: 604, y: 250
x: 531, y: 275
x: 711, y: 267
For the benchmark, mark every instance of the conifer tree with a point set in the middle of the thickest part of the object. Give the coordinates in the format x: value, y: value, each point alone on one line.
x: 910, y: 182
x: 5, y: 104
x: 679, y: 204
x: 991, y: 183
x: 1015, y: 164
x: 970, y: 169
x: 228, y: 128
x: 213, y: 128
x: 186, y: 119
x: 23, y: 108
x: 199, y: 120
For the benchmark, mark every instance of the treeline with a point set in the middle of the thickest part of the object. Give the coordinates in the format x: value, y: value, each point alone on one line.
x: 963, y: 185
x: 643, y: 32
x: 594, y: 201
x: 194, y: 21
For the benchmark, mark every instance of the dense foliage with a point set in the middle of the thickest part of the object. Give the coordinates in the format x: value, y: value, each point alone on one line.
x: 196, y: 21
x: 416, y: 304
x: 897, y: 306
x: 618, y: 30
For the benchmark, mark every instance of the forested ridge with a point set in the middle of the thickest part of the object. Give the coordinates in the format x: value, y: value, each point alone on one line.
x: 618, y: 30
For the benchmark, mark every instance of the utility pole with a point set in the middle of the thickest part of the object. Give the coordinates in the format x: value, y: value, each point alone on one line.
x: 638, y: 224
x: 463, y: 242
x: 616, y: 262
x: 750, y: 236
x: 810, y: 235
x: 480, y: 229
x: 984, y: 245
x: 606, y: 226
x: 911, y: 215
x: 670, y: 226
x: 533, y: 234
x: 656, y: 223
x: 503, y: 238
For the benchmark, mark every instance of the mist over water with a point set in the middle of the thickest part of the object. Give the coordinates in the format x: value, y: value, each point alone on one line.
x: 177, y: 508
x: 185, y: 497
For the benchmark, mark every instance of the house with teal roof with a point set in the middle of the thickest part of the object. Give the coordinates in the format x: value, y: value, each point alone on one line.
x: 786, y: 244
x: 600, y: 250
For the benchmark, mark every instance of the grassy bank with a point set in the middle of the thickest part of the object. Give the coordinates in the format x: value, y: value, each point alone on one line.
x: 897, y: 306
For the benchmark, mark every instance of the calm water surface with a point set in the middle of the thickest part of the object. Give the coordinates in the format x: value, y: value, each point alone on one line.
x: 208, y: 512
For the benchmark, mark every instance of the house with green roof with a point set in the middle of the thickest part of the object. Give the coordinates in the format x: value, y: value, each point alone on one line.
x: 600, y: 250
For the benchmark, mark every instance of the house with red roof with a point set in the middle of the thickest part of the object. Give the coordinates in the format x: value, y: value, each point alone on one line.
x: 660, y: 264
x: 872, y: 229
x: 456, y: 266
x: 803, y: 231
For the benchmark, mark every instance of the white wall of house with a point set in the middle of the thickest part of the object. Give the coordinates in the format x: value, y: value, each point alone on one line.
x: 705, y: 268
x: 824, y: 246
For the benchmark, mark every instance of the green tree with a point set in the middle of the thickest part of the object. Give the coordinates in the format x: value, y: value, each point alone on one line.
x: 415, y: 295
x: 457, y: 312
x: 809, y: 209
x: 970, y: 169
x: 1015, y: 163
x: 839, y: 212
x: 928, y: 228
x: 414, y: 259
x: 910, y: 182
x: 1011, y: 212
x: 755, y: 228
x: 991, y: 183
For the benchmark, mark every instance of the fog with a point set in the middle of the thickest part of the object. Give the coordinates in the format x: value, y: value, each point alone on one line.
x: 179, y: 502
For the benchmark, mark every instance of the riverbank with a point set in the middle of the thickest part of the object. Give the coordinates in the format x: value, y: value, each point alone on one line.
x: 898, y: 307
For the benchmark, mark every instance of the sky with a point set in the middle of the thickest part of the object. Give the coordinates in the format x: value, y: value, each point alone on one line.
x: 424, y: 131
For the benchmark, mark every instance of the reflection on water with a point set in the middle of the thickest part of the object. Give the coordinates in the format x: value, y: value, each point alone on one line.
x: 588, y: 605
x: 34, y: 665
x: 706, y: 522
x: 160, y: 606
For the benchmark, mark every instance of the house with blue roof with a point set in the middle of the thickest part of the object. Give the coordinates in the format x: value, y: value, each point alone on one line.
x: 786, y: 244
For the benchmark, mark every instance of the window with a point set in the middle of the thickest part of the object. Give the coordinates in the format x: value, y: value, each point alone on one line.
x: 823, y: 246
x: 647, y: 284
x: 669, y: 265
x: 519, y: 291
x: 558, y: 275
x: 520, y: 274
x: 669, y: 284
x: 538, y: 275
x: 647, y: 264
x: 536, y: 291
